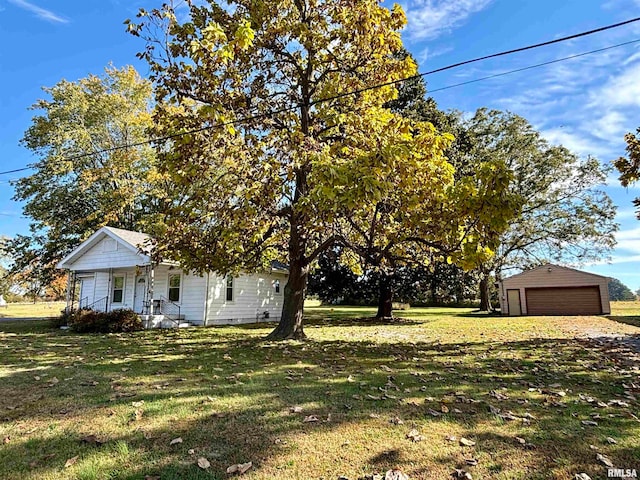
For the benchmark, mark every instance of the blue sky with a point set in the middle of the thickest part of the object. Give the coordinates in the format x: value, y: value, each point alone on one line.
x: 586, y: 104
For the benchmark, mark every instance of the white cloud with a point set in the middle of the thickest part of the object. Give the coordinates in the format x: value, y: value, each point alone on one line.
x: 40, y: 12
x: 622, y: 90
x: 627, y: 213
x: 576, y: 142
x: 429, y: 19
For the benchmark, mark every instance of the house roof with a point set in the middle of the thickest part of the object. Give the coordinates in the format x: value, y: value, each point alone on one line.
x: 552, y: 265
x: 279, y: 266
x: 138, y: 240
x: 133, y: 241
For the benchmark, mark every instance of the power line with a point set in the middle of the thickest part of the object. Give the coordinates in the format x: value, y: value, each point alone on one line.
x: 502, y: 74
x: 365, y: 89
x: 19, y: 170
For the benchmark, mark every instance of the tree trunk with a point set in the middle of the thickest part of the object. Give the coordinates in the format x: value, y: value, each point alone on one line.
x: 290, y: 326
x: 385, y: 301
x: 485, y: 304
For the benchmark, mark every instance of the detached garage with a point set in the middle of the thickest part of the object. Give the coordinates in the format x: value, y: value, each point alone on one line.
x: 554, y: 290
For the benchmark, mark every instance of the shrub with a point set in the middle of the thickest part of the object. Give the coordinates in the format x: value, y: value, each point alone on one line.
x: 124, y: 321
x: 88, y: 321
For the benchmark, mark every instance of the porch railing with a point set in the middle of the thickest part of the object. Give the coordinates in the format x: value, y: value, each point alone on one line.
x: 170, y: 310
x: 100, y: 305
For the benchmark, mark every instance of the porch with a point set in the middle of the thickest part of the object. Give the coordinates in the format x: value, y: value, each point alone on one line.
x: 152, y: 291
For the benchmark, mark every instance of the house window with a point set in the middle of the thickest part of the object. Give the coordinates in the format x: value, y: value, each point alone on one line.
x: 118, y: 289
x: 276, y: 284
x: 229, y: 289
x: 174, y: 288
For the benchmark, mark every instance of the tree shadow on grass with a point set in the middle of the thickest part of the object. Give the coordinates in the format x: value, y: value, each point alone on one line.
x: 228, y: 397
x: 626, y: 319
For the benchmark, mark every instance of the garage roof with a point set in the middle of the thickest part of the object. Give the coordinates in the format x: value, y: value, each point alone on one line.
x: 547, y: 265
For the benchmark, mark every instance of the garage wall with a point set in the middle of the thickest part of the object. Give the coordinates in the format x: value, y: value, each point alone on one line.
x: 552, y: 276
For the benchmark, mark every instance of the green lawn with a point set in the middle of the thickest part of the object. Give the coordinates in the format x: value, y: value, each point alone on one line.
x: 228, y: 396
x: 32, y: 310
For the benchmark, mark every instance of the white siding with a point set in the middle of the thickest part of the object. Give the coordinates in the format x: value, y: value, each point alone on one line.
x: 192, y: 292
x: 104, y: 289
x: 103, y: 255
x: 553, y: 276
x: 252, y: 296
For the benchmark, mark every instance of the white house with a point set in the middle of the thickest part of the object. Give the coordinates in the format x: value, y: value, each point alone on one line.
x: 112, y: 272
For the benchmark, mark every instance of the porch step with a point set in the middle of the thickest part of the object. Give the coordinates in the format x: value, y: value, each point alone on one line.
x: 162, y: 321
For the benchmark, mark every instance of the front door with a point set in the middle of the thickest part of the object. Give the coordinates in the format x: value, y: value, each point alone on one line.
x: 87, y: 287
x: 140, y: 294
x: 513, y: 299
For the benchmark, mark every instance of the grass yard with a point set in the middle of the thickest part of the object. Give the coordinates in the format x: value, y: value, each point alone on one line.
x: 151, y: 404
x: 32, y: 310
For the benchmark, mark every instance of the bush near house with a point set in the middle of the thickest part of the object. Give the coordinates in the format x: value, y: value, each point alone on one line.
x: 116, y: 321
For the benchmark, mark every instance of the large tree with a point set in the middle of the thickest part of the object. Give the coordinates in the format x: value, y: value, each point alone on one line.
x: 82, y: 180
x: 618, y: 291
x: 262, y: 164
x: 564, y: 216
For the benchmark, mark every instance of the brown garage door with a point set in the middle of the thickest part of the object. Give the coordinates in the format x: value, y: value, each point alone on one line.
x: 564, y: 301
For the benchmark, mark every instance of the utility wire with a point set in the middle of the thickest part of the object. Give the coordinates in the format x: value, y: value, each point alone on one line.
x: 502, y: 74
x: 371, y: 87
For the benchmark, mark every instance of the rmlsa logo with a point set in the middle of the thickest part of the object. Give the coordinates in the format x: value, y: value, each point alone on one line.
x: 622, y: 473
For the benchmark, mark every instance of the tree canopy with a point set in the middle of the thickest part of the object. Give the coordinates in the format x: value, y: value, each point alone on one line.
x: 629, y: 168
x: 618, y: 291
x: 82, y: 180
x: 271, y: 157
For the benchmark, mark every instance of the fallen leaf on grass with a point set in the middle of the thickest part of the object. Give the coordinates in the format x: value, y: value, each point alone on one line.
x: 604, y: 460
x: 311, y: 419
x: 91, y: 440
x: 589, y: 423
x: 135, y: 416
x: 395, y: 475
x: 240, y: 468
x: 521, y: 440
x: 611, y: 440
x: 415, y: 436
x: 466, y: 442
x: 451, y: 438
x: 459, y: 474
x: 472, y: 462
x: 152, y: 477
x: 295, y: 409
x: 395, y: 420
x: 138, y: 404
x: 6, y: 440
x: 175, y: 441
x: 582, y: 476
x: 203, y: 463
x: 71, y: 461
